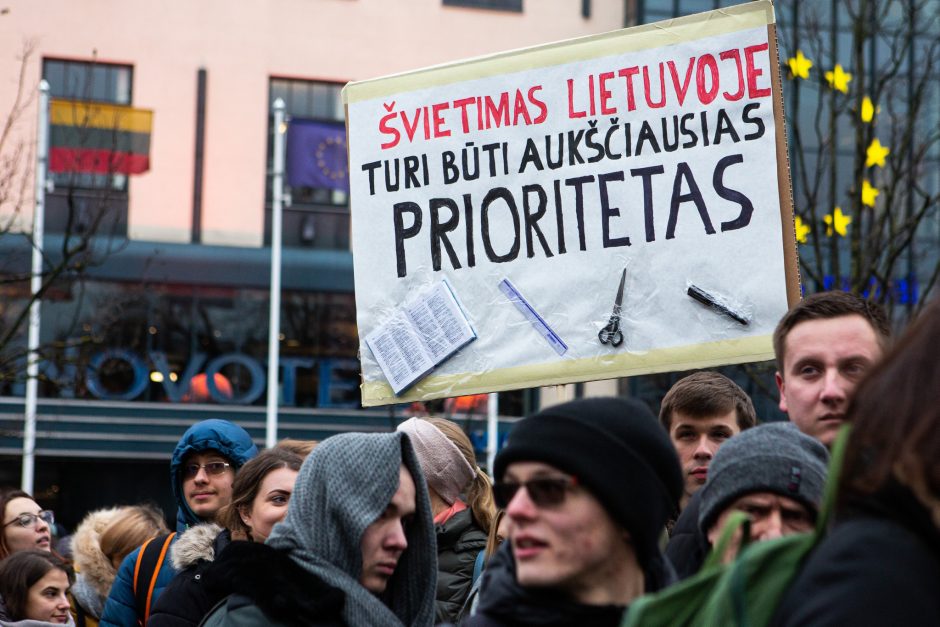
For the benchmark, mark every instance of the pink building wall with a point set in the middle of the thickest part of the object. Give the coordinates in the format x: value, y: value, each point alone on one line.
x: 241, y: 44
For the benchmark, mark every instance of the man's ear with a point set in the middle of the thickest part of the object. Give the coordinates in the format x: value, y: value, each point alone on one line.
x: 713, y: 533
x: 781, y: 387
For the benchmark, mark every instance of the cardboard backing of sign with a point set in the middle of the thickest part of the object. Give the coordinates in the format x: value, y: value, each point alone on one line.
x: 535, y: 180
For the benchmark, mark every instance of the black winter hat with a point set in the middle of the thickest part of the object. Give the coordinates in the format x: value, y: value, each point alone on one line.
x: 618, y: 450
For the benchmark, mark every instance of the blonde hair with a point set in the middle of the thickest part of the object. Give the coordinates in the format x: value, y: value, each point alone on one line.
x: 480, y: 493
x: 301, y: 448
x: 492, y: 539
x: 131, y: 527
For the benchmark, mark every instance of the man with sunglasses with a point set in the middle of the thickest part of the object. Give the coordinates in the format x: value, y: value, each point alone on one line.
x: 588, y: 487
x: 202, y: 469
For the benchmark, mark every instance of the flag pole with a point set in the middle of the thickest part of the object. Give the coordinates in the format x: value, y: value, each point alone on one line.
x: 492, y: 431
x: 274, y: 324
x: 32, y: 360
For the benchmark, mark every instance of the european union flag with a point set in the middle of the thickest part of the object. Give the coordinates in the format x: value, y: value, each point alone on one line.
x: 316, y: 155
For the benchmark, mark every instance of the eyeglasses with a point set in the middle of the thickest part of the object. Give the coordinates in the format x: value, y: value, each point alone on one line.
x: 29, y: 520
x: 544, y: 492
x: 212, y: 468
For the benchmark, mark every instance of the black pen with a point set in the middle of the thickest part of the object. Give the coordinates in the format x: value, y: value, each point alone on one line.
x: 709, y: 301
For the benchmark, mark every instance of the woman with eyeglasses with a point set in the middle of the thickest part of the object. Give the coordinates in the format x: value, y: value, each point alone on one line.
x: 450, y: 468
x: 25, y: 524
x: 260, y: 494
x: 34, y: 584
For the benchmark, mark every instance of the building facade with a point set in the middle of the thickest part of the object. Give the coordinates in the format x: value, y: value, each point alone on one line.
x: 174, y: 285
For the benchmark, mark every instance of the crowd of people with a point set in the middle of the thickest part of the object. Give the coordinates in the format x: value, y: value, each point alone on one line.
x: 595, y: 504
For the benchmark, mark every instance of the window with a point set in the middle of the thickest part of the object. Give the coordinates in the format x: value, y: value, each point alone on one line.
x: 499, y: 5
x: 78, y: 200
x: 92, y: 82
x: 312, y: 217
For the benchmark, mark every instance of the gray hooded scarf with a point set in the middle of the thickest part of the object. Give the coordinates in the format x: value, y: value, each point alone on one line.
x: 344, y: 486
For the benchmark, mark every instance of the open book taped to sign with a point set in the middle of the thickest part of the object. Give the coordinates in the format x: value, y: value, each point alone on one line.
x: 419, y: 335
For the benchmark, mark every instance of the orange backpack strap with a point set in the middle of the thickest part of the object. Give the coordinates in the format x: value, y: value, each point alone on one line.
x: 149, y: 560
x: 140, y: 558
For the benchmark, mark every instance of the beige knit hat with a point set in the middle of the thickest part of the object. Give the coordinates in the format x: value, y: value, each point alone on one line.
x: 445, y: 468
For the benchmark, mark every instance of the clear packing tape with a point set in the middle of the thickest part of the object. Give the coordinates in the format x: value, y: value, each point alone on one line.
x: 521, y: 352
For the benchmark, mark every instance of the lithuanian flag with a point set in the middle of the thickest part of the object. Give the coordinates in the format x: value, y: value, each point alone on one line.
x: 98, y: 138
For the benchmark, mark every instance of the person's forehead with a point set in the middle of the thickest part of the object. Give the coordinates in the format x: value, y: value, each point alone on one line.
x: 404, y: 497
x: 54, y: 576
x: 770, y: 499
x: 524, y: 470
x: 22, y: 505
x: 682, y: 419
x: 843, y: 334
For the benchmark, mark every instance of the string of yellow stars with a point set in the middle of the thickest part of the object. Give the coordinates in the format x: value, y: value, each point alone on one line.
x: 838, y: 222
x: 874, y: 155
x: 838, y: 79
x: 799, y: 65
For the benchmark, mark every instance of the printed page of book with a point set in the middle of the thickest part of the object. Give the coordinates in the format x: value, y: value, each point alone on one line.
x: 439, y: 319
x: 400, y: 351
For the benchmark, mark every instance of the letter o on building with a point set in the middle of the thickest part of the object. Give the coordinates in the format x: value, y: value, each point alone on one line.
x: 255, y: 373
x: 138, y: 385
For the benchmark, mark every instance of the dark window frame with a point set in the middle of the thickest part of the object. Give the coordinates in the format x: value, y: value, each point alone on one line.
x: 312, y: 218
x: 492, y: 5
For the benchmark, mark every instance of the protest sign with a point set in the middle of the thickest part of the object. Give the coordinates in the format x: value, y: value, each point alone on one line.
x: 602, y: 207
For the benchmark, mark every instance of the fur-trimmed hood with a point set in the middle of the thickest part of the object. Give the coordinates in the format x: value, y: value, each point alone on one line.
x: 196, y: 544
x: 95, y: 567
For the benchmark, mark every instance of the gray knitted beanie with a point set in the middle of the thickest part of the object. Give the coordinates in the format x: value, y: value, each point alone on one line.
x: 774, y: 457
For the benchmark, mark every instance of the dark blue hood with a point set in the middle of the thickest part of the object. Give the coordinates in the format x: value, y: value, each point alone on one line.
x: 223, y: 436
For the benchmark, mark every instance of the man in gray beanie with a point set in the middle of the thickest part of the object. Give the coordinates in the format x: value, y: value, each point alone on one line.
x: 587, y: 487
x: 773, y: 473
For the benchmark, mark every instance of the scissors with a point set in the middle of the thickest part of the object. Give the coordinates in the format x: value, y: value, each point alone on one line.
x: 611, y: 334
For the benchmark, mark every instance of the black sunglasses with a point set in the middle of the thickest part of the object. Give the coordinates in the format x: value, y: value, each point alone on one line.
x: 544, y: 492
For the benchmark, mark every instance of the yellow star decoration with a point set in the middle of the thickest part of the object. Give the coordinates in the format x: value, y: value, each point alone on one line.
x: 869, y: 193
x: 838, y: 79
x: 802, y: 229
x: 876, y: 153
x: 799, y: 65
x: 837, y: 221
x: 868, y: 110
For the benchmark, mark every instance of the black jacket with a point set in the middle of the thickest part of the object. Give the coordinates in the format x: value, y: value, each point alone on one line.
x: 264, y: 584
x: 687, y: 546
x: 185, y: 599
x: 879, y: 566
x: 504, y: 603
x: 459, y: 541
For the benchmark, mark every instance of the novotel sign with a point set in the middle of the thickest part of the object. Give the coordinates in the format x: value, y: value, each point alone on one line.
x: 254, y: 370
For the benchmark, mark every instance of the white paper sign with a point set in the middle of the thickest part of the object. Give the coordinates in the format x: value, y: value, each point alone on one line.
x: 559, y: 167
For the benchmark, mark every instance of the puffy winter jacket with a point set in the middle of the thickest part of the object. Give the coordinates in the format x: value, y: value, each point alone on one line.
x: 223, y: 436
x: 459, y: 541
x: 185, y: 601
